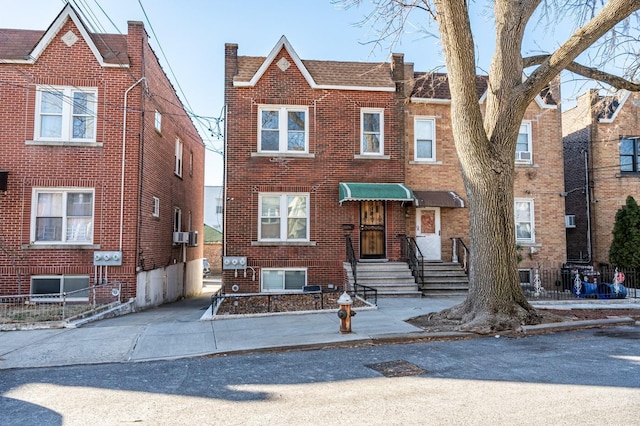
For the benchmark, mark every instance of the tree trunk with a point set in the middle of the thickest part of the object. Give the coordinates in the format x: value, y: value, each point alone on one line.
x: 486, y: 150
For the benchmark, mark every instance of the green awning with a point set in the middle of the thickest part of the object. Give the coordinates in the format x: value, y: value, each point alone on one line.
x: 374, y: 191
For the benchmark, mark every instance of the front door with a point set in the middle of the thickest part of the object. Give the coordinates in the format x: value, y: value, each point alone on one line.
x: 372, y: 230
x: 428, y: 232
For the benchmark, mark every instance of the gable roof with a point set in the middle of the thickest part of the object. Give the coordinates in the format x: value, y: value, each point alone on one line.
x: 366, y: 76
x: 609, y: 106
x: 26, y: 46
x: 434, y: 88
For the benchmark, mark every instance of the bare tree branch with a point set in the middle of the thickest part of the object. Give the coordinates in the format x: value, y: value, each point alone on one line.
x: 590, y: 72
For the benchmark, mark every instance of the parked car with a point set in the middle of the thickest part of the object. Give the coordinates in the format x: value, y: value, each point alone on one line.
x: 206, y: 269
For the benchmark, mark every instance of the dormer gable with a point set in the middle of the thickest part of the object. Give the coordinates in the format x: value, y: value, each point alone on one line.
x: 336, y: 75
x: 101, y: 45
x: 610, y: 106
x: 433, y: 88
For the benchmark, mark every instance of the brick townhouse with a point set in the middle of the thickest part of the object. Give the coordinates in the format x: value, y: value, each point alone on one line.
x: 100, y: 164
x: 602, y: 167
x: 433, y: 173
x: 323, y: 152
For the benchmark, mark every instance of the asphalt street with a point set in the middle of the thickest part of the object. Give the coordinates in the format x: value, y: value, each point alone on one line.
x: 586, y: 377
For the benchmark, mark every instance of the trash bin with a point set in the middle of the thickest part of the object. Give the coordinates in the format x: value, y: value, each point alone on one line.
x: 585, y: 290
x: 611, y: 291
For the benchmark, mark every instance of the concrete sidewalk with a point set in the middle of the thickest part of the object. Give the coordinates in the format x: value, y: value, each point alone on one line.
x: 184, y: 329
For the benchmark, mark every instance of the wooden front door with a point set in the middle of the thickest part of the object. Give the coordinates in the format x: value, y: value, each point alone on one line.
x: 372, y: 230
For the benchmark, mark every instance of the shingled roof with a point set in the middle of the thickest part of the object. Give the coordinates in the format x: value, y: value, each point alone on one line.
x: 321, y: 74
x: 436, y: 86
x: 18, y: 45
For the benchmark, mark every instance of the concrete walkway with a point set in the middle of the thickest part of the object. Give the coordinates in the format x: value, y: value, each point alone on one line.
x: 186, y: 329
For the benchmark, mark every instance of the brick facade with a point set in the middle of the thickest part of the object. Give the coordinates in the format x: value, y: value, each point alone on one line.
x: 597, y: 123
x: 144, y: 240
x: 334, y: 99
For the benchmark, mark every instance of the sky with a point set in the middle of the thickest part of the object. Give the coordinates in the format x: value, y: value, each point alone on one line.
x: 189, y: 38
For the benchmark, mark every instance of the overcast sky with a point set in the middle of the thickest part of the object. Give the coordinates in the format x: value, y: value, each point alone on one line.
x: 189, y: 38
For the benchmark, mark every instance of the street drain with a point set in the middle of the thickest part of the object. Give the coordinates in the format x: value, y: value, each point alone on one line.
x: 398, y: 368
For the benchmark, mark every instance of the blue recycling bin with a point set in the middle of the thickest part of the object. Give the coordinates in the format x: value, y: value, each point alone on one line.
x: 611, y: 291
x: 584, y: 290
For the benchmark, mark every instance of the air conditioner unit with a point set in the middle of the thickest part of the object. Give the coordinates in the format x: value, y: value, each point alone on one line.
x: 180, y: 237
x: 523, y: 156
x: 193, y: 239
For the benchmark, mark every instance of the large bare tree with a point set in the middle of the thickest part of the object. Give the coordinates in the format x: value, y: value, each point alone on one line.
x: 486, y: 142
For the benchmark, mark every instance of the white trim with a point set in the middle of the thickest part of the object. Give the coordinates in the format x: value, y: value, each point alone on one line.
x: 283, y: 216
x: 528, y: 124
x: 284, y: 43
x: 65, y: 191
x: 380, y: 112
x: 424, y: 118
x: 532, y: 220
x: 623, y: 100
x: 283, y: 129
x: 284, y: 270
x: 68, y: 13
x: 66, y: 114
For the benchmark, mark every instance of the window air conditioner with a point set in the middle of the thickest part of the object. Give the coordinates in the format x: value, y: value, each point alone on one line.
x: 193, y: 239
x: 523, y: 156
x: 180, y: 237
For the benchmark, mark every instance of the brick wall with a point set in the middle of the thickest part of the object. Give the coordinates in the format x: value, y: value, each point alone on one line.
x: 334, y: 126
x: 148, y: 167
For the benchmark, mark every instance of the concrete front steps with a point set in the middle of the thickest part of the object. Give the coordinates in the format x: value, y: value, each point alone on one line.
x: 444, y: 279
x: 391, y: 279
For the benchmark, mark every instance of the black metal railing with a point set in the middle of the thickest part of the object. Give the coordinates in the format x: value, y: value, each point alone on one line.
x: 307, y: 300
x: 351, y: 258
x: 367, y: 293
x: 414, y: 257
x: 460, y: 253
x: 572, y: 283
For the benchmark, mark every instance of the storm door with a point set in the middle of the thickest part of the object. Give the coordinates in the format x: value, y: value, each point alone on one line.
x: 372, y: 230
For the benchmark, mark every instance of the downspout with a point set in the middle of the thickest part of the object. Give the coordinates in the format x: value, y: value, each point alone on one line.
x: 588, y: 198
x: 224, y: 186
x: 124, y: 151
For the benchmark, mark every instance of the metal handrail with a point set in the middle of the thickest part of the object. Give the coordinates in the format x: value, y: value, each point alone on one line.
x: 351, y: 258
x: 414, y: 258
x: 460, y: 250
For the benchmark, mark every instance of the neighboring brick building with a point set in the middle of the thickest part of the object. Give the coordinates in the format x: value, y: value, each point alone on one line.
x: 322, y: 149
x: 99, y: 156
x: 433, y: 173
x: 602, y: 167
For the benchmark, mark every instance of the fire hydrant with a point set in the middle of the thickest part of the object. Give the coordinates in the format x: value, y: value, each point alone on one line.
x: 345, y: 313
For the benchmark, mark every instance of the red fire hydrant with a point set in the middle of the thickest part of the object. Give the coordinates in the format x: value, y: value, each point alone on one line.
x: 345, y: 313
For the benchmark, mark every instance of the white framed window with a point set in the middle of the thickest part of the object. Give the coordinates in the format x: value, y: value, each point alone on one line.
x: 424, y: 139
x: 283, y: 217
x: 372, y: 131
x: 156, y: 207
x: 283, y: 279
x: 523, y: 146
x: 525, y: 277
x: 524, y: 220
x: 65, y: 114
x: 283, y: 129
x: 62, y: 216
x: 157, y: 122
x: 76, y: 287
x: 177, y: 219
x: 178, y: 158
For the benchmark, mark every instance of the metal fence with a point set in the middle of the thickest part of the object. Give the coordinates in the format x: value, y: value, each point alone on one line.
x: 572, y: 283
x: 35, y: 308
